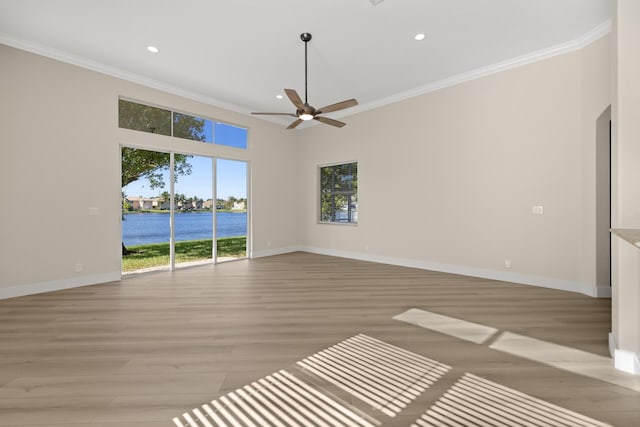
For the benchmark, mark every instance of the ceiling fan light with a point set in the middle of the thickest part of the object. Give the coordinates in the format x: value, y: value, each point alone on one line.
x: 305, y: 116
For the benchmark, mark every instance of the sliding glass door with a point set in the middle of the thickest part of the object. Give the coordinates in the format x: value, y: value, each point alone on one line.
x: 231, y: 209
x: 193, y: 213
x: 145, y: 216
x: 172, y: 216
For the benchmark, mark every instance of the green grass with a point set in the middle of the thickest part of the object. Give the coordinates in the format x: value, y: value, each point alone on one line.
x: 157, y: 254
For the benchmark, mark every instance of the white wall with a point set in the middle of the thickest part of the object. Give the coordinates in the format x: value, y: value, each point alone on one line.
x: 60, y: 155
x: 447, y: 180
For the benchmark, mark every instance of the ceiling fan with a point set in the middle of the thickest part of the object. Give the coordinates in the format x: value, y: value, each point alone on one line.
x: 304, y: 111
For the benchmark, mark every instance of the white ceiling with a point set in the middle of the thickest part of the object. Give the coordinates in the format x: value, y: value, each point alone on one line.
x: 240, y: 54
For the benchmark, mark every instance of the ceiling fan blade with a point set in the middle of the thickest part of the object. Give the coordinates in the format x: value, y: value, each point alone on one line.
x: 277, y: 114
x: 328, y: 121
x: 295, y: 98
x: 338, y: 106
x: 294, y: 124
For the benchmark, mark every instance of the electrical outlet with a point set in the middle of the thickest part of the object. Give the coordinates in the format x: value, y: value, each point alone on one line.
x: 507, y: 263
x: 78, y: 268
x: 537, y: 210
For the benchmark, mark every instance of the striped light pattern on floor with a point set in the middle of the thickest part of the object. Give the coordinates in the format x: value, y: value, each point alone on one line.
x: 474, y: 401
x: 278, y: 400
x: 384, y: 376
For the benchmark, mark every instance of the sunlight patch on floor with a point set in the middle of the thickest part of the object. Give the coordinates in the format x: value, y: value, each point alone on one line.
x: 554, y: 355
x: 474, y: 401
x: 278, y: 400
x: 382, y: 375
x: 566, y: 358
x: 462, y: 329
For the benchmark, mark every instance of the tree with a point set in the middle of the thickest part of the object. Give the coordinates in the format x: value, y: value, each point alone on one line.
x: 339, y: 189
x: 126, y: 206
x: 138, y: 164
x: 165, y: 197
x: 146, y: 118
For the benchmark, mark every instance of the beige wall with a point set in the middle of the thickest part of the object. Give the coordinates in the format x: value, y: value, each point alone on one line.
x: 59, y: 156
x: 625, y: 189
x: 447, y: 180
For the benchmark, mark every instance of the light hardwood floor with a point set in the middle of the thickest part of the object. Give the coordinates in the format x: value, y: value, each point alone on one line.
x: 143, y: 350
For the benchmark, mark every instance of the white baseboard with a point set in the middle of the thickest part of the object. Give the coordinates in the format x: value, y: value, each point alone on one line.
x: 277, y: 251
x: 545, y: 282
x: 612, y: 345
x: 623, y: 360
x: 600, y: 291
x: 57, y: 285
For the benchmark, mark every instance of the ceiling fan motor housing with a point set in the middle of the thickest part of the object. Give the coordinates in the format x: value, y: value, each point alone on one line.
x: 305, y: 37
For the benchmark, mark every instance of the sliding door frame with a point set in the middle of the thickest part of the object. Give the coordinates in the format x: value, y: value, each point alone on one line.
x: 214, y: 181
x: 249, y: 240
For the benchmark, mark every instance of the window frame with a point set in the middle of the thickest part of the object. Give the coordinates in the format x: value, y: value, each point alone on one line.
x: 319, y: 195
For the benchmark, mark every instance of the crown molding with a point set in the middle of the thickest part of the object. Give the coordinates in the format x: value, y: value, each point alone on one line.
x: 570, y: 46
x: 76, y: 60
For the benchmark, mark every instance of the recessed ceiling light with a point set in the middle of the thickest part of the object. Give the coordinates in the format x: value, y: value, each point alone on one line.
x: 419, y: 36
x: 279, y: 96
x: 153, y: 49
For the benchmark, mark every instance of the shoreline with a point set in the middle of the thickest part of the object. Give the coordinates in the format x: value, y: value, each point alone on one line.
x: 166, y: 211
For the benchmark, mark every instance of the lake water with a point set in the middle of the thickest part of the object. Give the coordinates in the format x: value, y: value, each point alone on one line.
x: 141, y: 229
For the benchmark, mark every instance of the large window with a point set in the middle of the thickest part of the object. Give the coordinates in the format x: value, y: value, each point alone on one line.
x: 146, y: 118
x: 339, y: 193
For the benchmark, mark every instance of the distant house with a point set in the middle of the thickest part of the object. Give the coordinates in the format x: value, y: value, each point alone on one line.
x: 190, y: 204
x: 162, y: 204
x: 239, y: 205
x: 144, y: 203
x: 207, y: 204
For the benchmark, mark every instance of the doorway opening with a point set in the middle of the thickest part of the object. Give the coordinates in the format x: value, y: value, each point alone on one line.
x: 603, y: 203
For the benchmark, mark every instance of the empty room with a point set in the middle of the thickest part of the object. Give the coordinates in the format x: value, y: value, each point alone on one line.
x: 371, y: 213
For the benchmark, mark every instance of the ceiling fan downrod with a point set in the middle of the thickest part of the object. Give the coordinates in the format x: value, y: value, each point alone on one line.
x: 305, y: 37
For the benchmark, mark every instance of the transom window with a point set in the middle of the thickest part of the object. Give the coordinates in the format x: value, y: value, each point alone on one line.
x: 339, y: 193
x: 145, y: 118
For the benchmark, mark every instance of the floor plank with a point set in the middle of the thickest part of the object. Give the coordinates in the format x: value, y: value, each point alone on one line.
x: 150, y: 347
